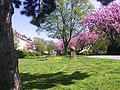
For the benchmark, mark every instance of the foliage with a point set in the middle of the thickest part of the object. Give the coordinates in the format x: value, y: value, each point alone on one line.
x: 105, y: 2
x: 30, y: 46
x: 50, y: 46
x: 59, y: 46
x: 100, y: 47
x: 81, y: 41
x: 84, y: 39
x: 37, y: 9
x: 34, y: 55
x: 40, y: 44
x: 113, y: 49
x: 65, y: 21
x: 73, y: 41
x: 37, y: 53
x: 66, y: 74
x: 106, y: 20
x: 20, y: 54
x: 25, y: 52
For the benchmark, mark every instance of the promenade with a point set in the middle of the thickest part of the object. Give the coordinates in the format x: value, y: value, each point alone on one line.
x: 113, y: 57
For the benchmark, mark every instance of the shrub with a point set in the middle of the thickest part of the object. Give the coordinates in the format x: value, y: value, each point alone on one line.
x: 37, y: 53
x: 100, y: 47
x: 25, y: 52
x: 20, y: 54
x: 31, y: 54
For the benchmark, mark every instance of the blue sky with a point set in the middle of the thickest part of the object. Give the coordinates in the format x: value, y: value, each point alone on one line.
x: 22, y: 24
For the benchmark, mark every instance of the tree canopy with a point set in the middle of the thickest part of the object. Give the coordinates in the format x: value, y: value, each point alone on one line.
x: 40, y: 44
x: 80, y: 41
x: 65, y: 21
x: 84, y: 39
x: 105, y: 2
x: 37, y: 9
x: 106, y: 19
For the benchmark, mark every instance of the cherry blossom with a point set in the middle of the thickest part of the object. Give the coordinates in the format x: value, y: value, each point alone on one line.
x: 105, y: 19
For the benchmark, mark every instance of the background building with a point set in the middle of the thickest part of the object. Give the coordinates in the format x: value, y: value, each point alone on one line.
x: 23, y: 42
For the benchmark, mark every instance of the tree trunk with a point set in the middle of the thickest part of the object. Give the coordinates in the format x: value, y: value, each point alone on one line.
x: 9, y: 74
x: 65, y: 48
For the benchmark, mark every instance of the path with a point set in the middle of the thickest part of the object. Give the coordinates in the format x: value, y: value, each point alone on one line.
x: 114, y: 57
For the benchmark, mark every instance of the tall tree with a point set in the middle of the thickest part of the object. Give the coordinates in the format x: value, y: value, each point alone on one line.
x: 80, y: 41
x: 107, y: 21
x: 9, y: 74
x: 65, y: 22
x: 59, y: 47
x: 50, y: 46
x: 38, y: 10
x: 39, y: 44
x: 84, y: 39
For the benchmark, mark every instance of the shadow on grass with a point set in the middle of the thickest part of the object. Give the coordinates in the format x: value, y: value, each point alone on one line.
x: 45, y: 81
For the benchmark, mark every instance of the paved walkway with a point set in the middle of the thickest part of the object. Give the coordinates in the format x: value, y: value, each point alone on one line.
x: 114, y: 57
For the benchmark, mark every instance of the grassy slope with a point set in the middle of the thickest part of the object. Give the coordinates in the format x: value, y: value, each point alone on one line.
x: 80, y: 74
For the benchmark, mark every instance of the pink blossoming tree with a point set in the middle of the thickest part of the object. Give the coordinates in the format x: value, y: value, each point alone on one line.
x: 80, y: 41
x: 107, y: 21
x: 31, y: 47
x: 85, y: 39
x: 59, y: 47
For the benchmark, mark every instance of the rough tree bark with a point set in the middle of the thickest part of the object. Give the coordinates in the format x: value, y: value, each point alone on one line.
x: 65, y: 48
x: 9, y: 74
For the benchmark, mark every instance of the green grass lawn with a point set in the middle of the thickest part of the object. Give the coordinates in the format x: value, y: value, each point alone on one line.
x: 66, y: 74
